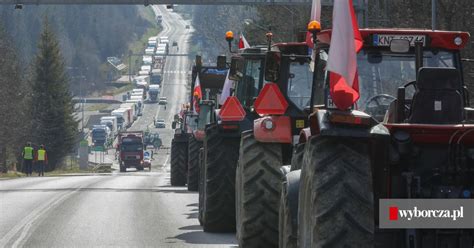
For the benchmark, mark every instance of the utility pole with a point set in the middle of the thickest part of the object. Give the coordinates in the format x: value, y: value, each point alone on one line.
x: 433, y: 15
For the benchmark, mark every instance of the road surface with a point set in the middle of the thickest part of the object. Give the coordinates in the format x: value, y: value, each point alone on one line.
x: 133, y: 209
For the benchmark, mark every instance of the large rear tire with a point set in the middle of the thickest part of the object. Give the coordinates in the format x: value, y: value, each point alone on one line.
x: 179, y: 161
x: 258, y: 192
x: 193, y: 163
x: 201, y: 185
x: 336, y: 194
x: 297, y: 158
x: 220, y: 159
x: 288, y: 226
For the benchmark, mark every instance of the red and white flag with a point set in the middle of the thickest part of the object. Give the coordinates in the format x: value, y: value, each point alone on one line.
x: 315, y: 16
x: 346, y: 42
x: 226, y: 89
x: 197, y: 94
x: 243, y: 42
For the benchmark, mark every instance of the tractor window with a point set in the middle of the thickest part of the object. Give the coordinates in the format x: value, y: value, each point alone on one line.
x: 248, y: 87
x: 299, y: 83
x: 381, y: 73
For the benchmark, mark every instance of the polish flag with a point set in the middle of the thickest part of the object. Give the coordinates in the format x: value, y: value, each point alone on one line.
x: 197, y: 94
x: 346, y: 42
x: 226, y: 89
x: 243, y: 42
x: 315, y: 16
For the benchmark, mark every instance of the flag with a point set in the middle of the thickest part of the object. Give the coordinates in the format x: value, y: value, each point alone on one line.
x: 197, y: 94
x: 243, y: 42
x: 346, y: 41
x: 226, y: 89
x: 315, y: 16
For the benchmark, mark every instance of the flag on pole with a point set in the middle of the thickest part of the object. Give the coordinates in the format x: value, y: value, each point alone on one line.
x: 346, y: 42
x: 197, y: 94
x: 226, y: 89
x: 243, y: 42
x: 315, y: 16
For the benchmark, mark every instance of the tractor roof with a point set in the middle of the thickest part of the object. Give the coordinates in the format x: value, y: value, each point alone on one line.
x: 211, y: 77
x: 435, y: 39
x: 297, y: 48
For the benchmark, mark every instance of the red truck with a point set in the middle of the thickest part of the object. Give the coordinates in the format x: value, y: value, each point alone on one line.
x: 130, y: 148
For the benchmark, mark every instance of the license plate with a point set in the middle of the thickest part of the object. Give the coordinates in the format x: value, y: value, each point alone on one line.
x: 385, y: 39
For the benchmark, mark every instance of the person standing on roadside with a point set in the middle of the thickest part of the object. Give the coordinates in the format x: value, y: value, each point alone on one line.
x: 41, y: 160
x: 28, y: 155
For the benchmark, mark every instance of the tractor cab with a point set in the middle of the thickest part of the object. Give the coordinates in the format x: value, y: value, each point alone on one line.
x: 402, y: 72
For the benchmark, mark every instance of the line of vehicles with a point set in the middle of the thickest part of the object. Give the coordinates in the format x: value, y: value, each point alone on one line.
x: 131, y: 145
x: 283, y: 167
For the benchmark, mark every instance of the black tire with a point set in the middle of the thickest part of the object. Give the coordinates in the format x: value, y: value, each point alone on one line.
x: 336, y: 206
x: 122, y: 168
x: 201, y: 185
x: 179, y: 153
x: 193, y: 163
x: 140, y: 168
x: 288, y: 224
x: 297, y: 158
x: 258, y: 191
x: 220, y: 159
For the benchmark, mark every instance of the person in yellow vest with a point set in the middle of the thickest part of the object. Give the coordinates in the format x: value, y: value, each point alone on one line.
x: 28, y: 155
x: 41, y: 160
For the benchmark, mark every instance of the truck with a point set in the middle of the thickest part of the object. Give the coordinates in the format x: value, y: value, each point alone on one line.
x: 132, y: 108
x: 142, y: 81
x: 100, y: 135
x: 155, y: 76
x: 130, y: 148
x: 138, y: 105
x: 159, y: 19
x: 164, y: 39
x: 111, y: 123
x: 147, y: 60
x: 122, y: 118
x: 153, y: 92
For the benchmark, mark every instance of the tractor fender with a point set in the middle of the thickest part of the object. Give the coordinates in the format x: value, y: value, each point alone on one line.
x: 305, y: 134
x: 292, y: 184
x: 280, y: 131
x: 320, y: 124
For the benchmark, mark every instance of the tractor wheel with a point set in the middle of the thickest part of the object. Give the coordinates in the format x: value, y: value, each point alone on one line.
x: 258, y: 192
x: 193, y: 163
x: 288, y: 225
x: 297, y: 158
x: 201, y: 185
x: 179, y: 153
x: 220, y: 156
x: 336, y: 206
x: 139, y: 168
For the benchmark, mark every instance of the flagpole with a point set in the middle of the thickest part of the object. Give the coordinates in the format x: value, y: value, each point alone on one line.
x: 314, y: 27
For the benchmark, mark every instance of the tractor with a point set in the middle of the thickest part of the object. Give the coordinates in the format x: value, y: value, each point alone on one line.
x: 282, y: 113
x: 187, y: 139
x: 410, y: 135
x: 211, y: 79
x: 222, y: 140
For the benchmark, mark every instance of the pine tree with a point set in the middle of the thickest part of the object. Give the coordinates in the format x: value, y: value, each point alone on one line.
x: 14, y: 96
x: 53, y: 122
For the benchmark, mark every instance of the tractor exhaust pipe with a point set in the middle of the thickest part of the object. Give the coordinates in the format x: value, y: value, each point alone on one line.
x: 418, y: 56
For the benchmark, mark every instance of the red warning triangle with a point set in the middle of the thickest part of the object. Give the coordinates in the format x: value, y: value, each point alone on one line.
x: 271, y: 101
x: 232, y: 110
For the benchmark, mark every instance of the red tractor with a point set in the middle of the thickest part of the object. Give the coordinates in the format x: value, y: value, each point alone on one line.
x: 409, y: 136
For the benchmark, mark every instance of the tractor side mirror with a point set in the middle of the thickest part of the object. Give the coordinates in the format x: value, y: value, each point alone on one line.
x: 272, y: 66
x: 236, y: 68
x: 399, y: 46
x: 173, y: 125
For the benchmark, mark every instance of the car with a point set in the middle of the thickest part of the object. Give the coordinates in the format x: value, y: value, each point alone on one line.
x: 175, y: 43
x: 188, y: 27
x: 160, y: 123
x: 163, y: 101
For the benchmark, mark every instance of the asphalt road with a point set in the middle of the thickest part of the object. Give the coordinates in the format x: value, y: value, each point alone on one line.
x: 133, y: 209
